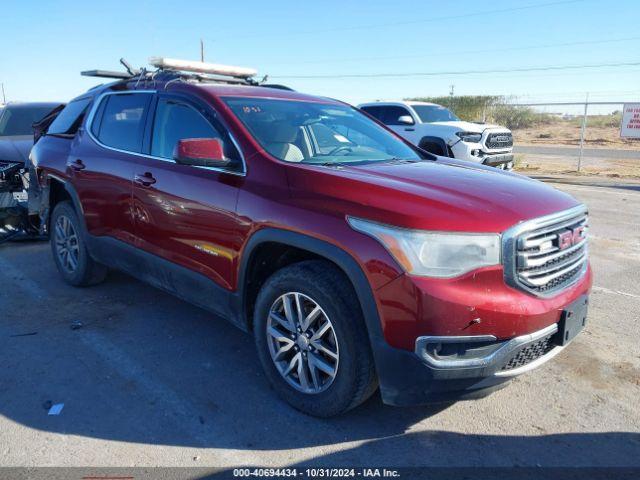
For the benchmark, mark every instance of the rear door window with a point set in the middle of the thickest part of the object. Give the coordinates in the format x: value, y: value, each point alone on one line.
x: 122, y: 122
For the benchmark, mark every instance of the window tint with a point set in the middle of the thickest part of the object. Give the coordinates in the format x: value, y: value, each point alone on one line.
x: 434, y: 113
x: 18, y: 119
x: 122, y: 124
x: 176, y: 120
x: 375, y: 112
x: 69, y: 119
x: 391, y: 114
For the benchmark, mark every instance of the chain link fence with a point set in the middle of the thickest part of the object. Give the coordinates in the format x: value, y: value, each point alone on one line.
x: 557, y: 136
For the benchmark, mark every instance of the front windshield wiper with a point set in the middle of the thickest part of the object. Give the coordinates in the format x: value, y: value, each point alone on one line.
x: 399, y: 160
x: 330, y: 164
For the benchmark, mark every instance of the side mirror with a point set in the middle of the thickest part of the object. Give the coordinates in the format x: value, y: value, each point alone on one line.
x: 405, y: 120
x: 200, y: 152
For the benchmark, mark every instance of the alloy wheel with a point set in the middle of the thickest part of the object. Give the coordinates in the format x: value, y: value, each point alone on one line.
x: 302, y: 343
x: 66, y: 244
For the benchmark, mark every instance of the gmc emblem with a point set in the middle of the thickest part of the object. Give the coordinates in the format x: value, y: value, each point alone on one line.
x: 569, y: 238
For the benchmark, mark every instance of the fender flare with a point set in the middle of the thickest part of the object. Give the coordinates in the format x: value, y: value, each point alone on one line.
x: 324, y: 249
x: 45, y: 209
x: 399, y: 372
x: 436, y: 140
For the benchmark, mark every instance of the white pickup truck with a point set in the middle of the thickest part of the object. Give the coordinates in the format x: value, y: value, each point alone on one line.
x: 436, y: 129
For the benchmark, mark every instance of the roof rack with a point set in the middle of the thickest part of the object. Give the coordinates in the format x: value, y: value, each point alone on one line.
x: 172, y: 68
x: 175, y: 64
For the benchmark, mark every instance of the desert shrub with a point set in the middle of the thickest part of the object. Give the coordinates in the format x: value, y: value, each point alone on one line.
x: 490, y: 108
x: 472, y: 108
x: 610, y: 120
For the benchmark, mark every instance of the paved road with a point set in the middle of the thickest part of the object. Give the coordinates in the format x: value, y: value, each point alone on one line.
x: 151, y: 380
x: 574, y: 151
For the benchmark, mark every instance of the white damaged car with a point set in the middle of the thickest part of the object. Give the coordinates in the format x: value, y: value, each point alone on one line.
x: 436, y: 129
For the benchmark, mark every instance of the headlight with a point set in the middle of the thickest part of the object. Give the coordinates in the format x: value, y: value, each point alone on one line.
x: 469, y: 137
x: 434, y: 254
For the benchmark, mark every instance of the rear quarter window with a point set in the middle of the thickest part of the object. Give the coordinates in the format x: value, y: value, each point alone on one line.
x: 70, y: 118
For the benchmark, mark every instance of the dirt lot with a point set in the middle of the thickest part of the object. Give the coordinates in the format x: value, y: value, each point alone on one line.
x: 566, y: 163
x: 149, y: 380
x: 598, y: 134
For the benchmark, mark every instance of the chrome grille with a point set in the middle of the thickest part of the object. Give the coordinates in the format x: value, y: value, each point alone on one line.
x: 547, y: 254
x: 499, y: 140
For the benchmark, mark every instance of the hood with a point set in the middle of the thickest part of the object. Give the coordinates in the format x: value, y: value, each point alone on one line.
x: 467, y: 126
x: 15, y: 149
x: 429, y: 195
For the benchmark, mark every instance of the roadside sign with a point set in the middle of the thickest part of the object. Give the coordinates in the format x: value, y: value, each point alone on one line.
x: 630, y: 125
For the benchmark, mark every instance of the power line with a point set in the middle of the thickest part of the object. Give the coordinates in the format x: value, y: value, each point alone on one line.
x: 459, y: 72
x: 413, y: 22
x: 463, y: 52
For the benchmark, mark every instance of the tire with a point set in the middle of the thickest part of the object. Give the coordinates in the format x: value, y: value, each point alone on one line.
x: 320, y: 283
x: 76, y: 265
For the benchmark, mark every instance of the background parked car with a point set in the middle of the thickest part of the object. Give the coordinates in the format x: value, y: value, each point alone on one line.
x: 436, y: 129
x: 16, y: 139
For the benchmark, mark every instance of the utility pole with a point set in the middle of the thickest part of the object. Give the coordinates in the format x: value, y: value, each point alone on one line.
x: 451, y: 89
x: 582, y: 130
x: 4, y: 99
x: 201, y: 50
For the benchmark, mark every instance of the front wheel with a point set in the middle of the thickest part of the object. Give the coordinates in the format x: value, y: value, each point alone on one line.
x: 312, y: 341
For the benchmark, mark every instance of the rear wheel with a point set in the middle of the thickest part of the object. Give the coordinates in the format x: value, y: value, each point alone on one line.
x: 312, y: 341
x: 70, y: 251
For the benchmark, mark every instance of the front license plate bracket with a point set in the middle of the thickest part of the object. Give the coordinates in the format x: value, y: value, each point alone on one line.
x: 573, y: 320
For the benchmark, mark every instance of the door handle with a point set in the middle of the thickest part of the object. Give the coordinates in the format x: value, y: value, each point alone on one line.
x: 77, y: 165
x: 409, y: 129
x: 145, y: 179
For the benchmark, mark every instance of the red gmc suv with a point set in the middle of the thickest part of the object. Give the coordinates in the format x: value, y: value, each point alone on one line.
x: 356, y: 259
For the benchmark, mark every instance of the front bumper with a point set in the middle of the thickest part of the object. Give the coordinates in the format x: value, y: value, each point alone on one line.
x: 499, y: 160
x: 484, y: 356
x: 485, y: 366
x: 475, y: 152
x: 513, y: 332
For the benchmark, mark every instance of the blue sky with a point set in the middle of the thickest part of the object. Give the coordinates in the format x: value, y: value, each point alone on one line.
x: 48, y: 43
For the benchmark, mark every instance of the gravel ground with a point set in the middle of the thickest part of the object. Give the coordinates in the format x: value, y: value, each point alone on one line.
x: 150, y: 380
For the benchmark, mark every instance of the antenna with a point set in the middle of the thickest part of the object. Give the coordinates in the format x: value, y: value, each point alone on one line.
x: 202, y: 50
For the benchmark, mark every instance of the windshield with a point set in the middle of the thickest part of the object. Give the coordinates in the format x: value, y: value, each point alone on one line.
x: 434, y: 113
x: 18, y: 120
x: 308, y: 132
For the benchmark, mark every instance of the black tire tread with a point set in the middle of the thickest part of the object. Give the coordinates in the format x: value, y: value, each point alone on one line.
x: 323, y: 276
x: 91, y: 272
